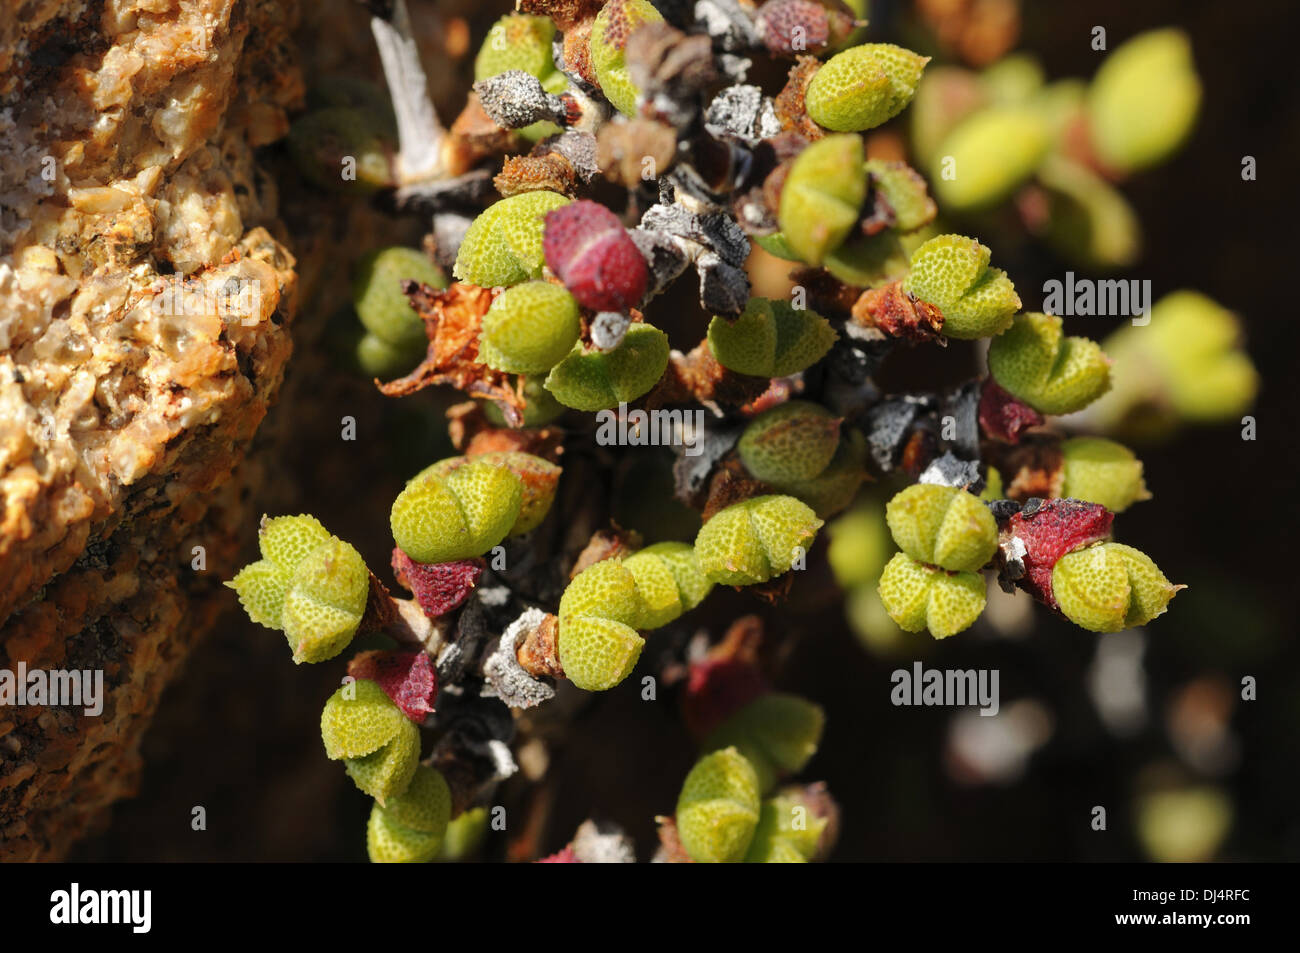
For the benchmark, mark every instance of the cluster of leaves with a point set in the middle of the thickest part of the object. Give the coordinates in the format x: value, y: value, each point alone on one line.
x: 547, y: 315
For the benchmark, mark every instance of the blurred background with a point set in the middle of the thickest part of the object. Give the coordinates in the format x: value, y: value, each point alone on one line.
x: 1149, y: 724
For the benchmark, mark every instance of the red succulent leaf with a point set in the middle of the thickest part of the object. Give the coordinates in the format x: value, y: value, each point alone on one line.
x: 408, y: 678
x: 590, y: 251
x: 1049, y: 529
x: 437, y: 587
x: 1002, y: 416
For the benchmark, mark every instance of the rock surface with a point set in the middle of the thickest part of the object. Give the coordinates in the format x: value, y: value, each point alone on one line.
x: 144, y: 308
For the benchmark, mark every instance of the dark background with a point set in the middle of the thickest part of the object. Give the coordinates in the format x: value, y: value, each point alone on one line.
x: 237, y: 733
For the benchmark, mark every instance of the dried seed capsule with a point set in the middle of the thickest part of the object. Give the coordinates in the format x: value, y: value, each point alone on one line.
x: 789, y: 443
x: 590, y: 251
x: 864, y: 86
x: 377, y: 295
x: 522, y: 42
x: 770, y: 339
x: 990, y: 155
x: 342, y: 150
x: 752, y: 541
x: 669, y: 579
x: 718, y: 808
x: 788, y: 832
x: 952, y: 273
x: 918, y: 596
x: 379, y: 746
x: 438, y: 519
x: 1102, y: 471
x: 599, y: 380
x: 777, y: 733
x: 822, y: 196
x: 609, y: 34
x: 411, y: 826
x: 943, y: 526
x: 503, y: 246
x: 1143, y: 102
x: 309, y: 584
x: 1054, y: 374
x: 529, y: 328
x: 600, y: 612
x: 1109, y: 587
x: 538, y: 479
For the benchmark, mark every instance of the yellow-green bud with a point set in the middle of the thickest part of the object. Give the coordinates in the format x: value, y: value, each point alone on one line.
x: 600, y: 612
x: 952, y: 273
x: 1143, y: 102
x: 538, y: 478
x: 529, y: 328
x: 822, y: 196
x: 1054, y: 374
x: 918, y: 596
x: 777, y: 733
x: 754, y: 540
x: 789, y: 443
x: 943, y: 526
x: 599, y: 380
x: 503, y: 246
x: 438, y: 518
x: 788, y: 833
x: 410, y: 827
x: 770, y: 339
x: 1102, y: 471
x: 1108, y: 587
x: 863, y: 87
x: 718, y: 808
x: 379, y: 746
x: 990, y: 155
x: 378, y: 299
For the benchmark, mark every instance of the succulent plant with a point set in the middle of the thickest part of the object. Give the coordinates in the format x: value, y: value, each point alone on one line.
x: 770, y: 339
x: 342, y: 149
x: 384, y: 310
x: 609, y: 34
x: 777, y: 734
x: 529, y: 328
x: 538, y: 480
x: 1143, y: 102
x: 790, y: 443
x: 919, y: 596
x: 600, y: 612
x: 718, y: 808
x: 378, y: 745
x: 669, y: 579
x: 309, y: 584
x: 990, y: 155
x: 410, y: 827
x: 942, y: 526
x: 503, y: 246
x: 952, y: 273
x: 863, y: 87
x: 1055, y: 374
x: 1108, y: 587
x: 822, y: 197
x: 752, y: 541
x: 787, y: 832
x: 465, y: 513
x: 590, y: 379
x: 1102, y: 471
